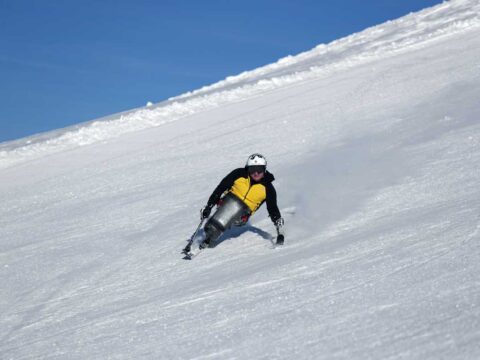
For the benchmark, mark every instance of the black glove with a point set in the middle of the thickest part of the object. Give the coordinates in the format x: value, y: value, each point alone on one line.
x: 206, y: 211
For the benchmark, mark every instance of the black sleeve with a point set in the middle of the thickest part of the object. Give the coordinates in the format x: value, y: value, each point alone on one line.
x: 224, y: 185
x: 272, y: 206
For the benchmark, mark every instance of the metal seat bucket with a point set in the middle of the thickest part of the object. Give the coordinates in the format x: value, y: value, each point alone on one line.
x: 229, y: 212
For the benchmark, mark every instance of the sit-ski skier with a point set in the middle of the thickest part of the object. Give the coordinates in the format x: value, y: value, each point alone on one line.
x: 237, y: 197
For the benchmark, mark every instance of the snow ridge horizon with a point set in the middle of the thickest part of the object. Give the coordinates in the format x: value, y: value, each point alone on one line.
x: 381, y: 41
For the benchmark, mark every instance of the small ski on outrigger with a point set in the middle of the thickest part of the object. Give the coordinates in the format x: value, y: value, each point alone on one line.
x: 187, y: 251
x: 190, y: 254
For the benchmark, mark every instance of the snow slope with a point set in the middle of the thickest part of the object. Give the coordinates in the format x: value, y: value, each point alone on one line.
x: 375, y: 142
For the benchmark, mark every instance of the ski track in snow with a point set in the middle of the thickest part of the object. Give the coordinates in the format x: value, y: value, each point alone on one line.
x: 376, y: 146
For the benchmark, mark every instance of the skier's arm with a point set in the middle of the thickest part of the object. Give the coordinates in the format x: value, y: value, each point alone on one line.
x: 224, y: 185
x: 274, y: 213
x: 272, y: 206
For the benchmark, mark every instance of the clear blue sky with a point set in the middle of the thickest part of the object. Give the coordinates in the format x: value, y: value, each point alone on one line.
x: 65, y: 61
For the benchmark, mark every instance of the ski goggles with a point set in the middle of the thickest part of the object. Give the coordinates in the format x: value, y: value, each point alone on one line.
x: 260, y: 169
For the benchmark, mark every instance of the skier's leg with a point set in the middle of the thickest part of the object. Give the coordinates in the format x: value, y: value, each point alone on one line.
x: 213, y: 232
x: 231, y: 211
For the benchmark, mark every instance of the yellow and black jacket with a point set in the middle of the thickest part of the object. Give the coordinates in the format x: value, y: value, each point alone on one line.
x: 252, y: 193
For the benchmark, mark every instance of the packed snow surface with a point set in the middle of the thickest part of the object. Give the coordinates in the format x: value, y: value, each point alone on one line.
x: 374, y: 141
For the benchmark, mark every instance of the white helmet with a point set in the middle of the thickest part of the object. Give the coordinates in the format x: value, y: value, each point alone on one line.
x: 256, y: 160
